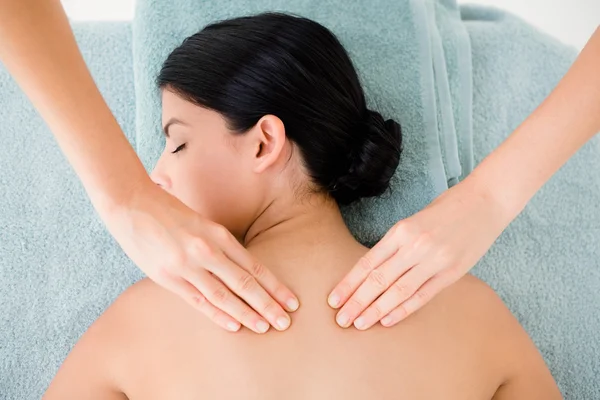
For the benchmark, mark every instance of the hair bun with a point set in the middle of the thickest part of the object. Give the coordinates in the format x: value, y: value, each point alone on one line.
x: 373, y: 162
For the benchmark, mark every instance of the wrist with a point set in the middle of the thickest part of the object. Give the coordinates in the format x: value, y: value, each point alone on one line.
x: 505, y: 205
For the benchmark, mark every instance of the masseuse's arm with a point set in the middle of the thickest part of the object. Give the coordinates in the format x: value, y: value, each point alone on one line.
x: 169, y: 242
x: 425, y: 253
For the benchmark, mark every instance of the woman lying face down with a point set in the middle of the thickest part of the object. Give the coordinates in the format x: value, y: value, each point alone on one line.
x: 268, y: 133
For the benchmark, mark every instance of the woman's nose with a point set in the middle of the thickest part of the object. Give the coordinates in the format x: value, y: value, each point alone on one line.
x: 161, y: 179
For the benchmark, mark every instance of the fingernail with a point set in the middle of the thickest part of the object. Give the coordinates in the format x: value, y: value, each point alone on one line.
x: 343, y: 320
x: 262, y: 326
x: 360, y: 323
x: 292, y: 304
x: 283, y: 323
x: 386, y: 321
x: 334, y: 300
x: 233, y: 327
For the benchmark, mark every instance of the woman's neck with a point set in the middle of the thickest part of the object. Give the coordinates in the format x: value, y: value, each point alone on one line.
x: 313, y: 231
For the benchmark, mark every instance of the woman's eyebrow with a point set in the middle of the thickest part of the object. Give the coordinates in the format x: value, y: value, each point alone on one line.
x: 171, y: 122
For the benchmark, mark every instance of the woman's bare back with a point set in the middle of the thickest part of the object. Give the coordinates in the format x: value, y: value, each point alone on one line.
x: 442, y: 352
x: 150, y: 344
x: 464, y: 344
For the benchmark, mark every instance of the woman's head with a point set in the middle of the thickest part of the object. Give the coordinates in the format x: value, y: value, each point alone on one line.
x: 264, y: 104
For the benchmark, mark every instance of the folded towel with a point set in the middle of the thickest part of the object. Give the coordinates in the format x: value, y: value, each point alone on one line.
x: 454, y: 80
x: 59, y: 267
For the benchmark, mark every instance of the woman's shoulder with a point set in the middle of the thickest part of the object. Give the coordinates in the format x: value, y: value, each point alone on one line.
x: 469, y: 313
x: 470, y: 293
x: 147, y: 302
x: 141, y: 290
x: 132, y: 311
x: 143, y: 318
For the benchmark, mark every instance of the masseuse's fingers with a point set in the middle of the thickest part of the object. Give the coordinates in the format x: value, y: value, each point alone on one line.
x: 194, y: 298
x: 247, y: 287
x: 407, y: 286
x: 240, y: 256
x: 221, y: 297
x: 377, y: 282
x: 382, y: 251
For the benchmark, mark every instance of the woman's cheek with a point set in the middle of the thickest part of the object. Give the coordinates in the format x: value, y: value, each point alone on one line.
x: 197, y: 193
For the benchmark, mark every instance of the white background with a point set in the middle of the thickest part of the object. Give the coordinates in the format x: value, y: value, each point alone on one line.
x: 571, y: 21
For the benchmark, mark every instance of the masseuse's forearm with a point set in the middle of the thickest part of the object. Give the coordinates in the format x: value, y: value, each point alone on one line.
x: 38, y: 48
x: 563, y: 123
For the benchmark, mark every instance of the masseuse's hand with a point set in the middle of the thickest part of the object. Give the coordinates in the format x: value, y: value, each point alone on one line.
x: 419, y: 257
x: 199, y: 261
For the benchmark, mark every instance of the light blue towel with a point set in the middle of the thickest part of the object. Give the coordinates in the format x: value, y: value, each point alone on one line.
x: 59, y: 267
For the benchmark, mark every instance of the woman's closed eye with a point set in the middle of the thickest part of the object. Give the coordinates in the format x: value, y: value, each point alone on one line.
x: 178, y: 149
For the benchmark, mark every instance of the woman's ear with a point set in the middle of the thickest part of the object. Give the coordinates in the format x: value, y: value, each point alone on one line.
x: 269, y: 142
